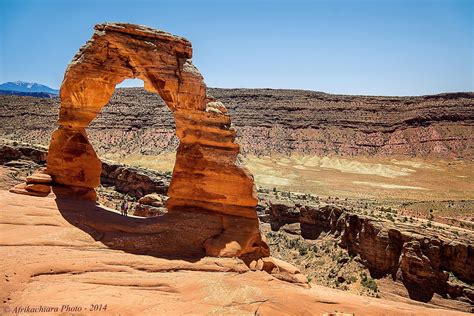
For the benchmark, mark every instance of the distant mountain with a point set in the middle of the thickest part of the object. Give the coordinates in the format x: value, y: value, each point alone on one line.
x: 27, y: 89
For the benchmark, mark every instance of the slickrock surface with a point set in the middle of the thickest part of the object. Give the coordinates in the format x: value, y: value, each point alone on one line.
x: 206, y: 177
x: 49, y: 262
x: 270, y: 121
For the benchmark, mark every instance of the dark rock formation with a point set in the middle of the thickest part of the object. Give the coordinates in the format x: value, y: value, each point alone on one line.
x: 136, y: 182
x: 17, y: 151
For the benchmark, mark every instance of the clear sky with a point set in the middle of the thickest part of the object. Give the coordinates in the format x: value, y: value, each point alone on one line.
x: 351, y: 47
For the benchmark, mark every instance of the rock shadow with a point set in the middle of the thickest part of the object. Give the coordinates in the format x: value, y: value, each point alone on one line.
x: 174, y: 235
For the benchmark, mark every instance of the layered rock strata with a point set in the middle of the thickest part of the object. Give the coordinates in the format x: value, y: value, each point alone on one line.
x: 270, y: 122
x: 37, y: 184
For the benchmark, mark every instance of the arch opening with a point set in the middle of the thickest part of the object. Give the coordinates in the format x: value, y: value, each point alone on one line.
x: 142, y: 135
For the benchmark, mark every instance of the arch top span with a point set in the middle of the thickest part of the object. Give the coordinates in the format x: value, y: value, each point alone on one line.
x: 119, y: 51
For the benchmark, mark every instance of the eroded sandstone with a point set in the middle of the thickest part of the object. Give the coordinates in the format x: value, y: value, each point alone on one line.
x: 206, y: 178
x: 79, y: 270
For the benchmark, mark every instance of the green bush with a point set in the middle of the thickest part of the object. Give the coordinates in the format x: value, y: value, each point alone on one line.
x: 368, y: 282
x: 303, y: 250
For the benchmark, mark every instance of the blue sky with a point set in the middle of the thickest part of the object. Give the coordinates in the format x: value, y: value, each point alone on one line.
x: 350, y: 47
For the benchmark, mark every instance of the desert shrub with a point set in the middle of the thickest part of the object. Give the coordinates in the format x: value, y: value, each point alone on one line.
x: 368, y: 282
x: 351, y: 279
x: 326, y: 247
x: 292, y: 243
x: 303, y: 250
x: 336, y: 255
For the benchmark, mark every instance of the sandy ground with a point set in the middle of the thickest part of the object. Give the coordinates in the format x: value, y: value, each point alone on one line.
x: 354, y: 177
x: 49, y: 263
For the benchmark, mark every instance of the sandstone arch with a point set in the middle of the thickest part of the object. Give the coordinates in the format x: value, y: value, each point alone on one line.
x: 206, y: 176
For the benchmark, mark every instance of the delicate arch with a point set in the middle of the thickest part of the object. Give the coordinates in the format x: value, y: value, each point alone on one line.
x: 206, y: 175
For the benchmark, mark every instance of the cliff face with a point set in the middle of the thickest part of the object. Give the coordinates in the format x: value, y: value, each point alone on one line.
x: 271, y: 122
x: 423, y: 259
x: 319, y: 123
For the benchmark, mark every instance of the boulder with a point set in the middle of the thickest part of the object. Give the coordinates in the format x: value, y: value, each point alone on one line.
x: 144, y: 210
x: 284, y: 271
x: 152, y: 199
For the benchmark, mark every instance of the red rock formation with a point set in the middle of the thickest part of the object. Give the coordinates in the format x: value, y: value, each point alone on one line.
x: 46, y: 258
x: 37, y: 184
x: 206, y: 174
x: 206, y: 178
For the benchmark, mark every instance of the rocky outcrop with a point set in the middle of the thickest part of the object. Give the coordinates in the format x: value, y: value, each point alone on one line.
x: 420, y: 275
x: 14, y: 151
x: 282, y: 213
x: 421, y: 260
x: 37, y: 184
x: 206, y: 176
x: 136, y: 182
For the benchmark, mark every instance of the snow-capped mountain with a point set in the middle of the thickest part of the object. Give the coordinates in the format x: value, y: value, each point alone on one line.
x: 28, y: 87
